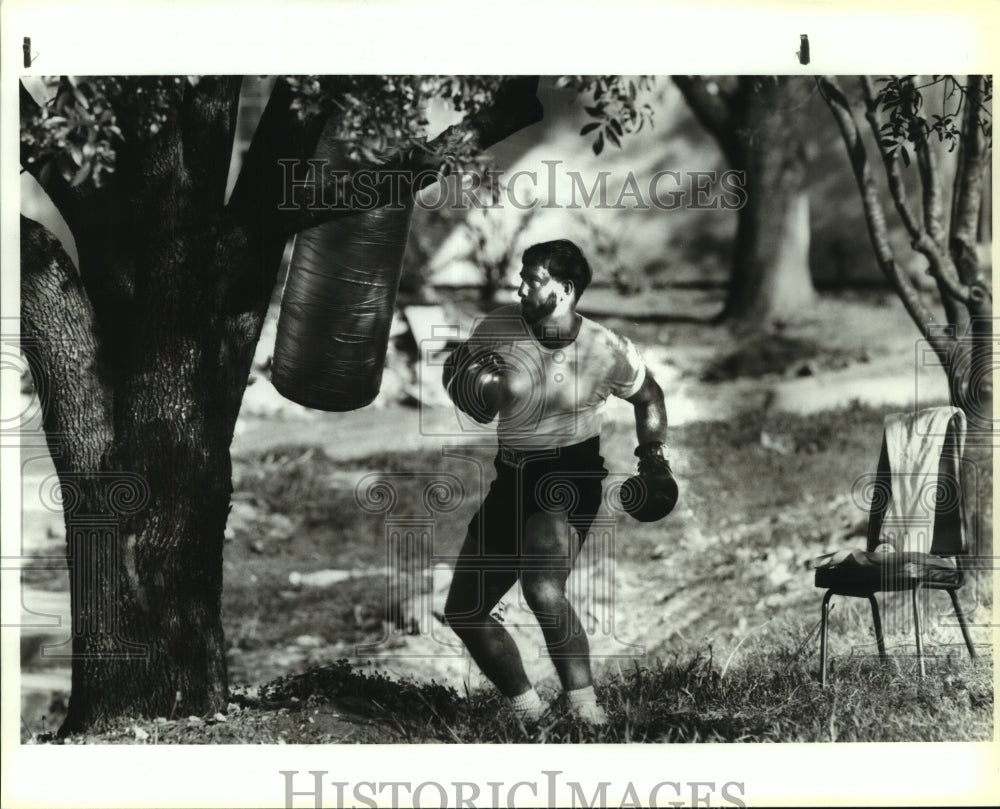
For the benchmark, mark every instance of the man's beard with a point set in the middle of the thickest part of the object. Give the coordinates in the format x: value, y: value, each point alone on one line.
x: 532, y: 313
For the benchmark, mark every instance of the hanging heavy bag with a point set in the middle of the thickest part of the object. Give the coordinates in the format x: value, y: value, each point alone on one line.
x: 337, y: 305
x: 651, y: 494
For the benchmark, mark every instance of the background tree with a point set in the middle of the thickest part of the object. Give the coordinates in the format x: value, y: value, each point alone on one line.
x: 946, y: 236
x: 757, y: 122
x: 142, y: 353
x: 494, y: 247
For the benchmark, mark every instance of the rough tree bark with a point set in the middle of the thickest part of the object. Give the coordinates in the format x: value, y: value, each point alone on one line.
x: 143, y: 355
x: 755, y: 125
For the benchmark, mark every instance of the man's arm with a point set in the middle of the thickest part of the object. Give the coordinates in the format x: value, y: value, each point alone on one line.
x: 650, y: 412
x: 651, y: 494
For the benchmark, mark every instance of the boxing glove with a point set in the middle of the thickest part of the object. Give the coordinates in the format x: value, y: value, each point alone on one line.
x: 473, y: 379
x: 651, y: 494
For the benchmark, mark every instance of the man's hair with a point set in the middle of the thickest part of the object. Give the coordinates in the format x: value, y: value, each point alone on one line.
x: 563, y: 260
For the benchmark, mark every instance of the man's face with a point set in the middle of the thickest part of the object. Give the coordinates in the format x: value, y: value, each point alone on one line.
x: 539, y: 292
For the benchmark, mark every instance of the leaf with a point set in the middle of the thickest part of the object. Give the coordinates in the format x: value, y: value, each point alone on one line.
x: 45, y: 174
x: 589, y: 128
x: 82, y: 174
x: 613, y: 138
x: 598, y: 145
x: 906, y: 156
x: 616, y: 126
x: 596, y: 112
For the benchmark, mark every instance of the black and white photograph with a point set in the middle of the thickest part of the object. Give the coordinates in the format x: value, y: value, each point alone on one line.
x: 374, y: 383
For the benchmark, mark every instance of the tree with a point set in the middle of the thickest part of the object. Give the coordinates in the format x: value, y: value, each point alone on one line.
x: 142, y: 353
x: 756, y: 121
x: 947, y: 239
x: 494, y: 248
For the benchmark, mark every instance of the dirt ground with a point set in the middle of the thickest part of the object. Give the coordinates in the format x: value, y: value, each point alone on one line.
x: 305, y: 569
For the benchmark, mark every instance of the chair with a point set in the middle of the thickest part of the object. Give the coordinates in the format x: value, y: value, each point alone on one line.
x: 916, y: 526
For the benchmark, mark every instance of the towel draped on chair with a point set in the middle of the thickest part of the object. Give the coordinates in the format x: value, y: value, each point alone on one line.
x: 916, y: 525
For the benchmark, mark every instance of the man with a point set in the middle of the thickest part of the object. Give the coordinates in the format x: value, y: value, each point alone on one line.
x: 547, y: 372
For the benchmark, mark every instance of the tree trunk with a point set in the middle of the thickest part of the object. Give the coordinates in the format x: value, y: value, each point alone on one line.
x: 142, y: 453
x: 756, y: 124
x: 970, y: 369
x: 146, y: 599
x: 770, y: 281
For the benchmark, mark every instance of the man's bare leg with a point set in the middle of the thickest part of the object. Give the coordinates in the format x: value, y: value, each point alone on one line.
x: 549, y: 549
x: 474, y: 593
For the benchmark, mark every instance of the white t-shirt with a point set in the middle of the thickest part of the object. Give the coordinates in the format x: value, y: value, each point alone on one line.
x: 557, y: 396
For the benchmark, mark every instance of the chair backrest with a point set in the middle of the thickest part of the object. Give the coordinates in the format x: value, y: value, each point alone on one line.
x: 917, y: 500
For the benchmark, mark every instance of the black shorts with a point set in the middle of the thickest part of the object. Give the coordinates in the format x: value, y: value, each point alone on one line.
x: 562, y: 479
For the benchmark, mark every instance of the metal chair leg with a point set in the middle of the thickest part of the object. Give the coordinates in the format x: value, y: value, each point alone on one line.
x: 823, y: 627
x: 963, y: 624
x: 916, y: 627
x: 877, y: 621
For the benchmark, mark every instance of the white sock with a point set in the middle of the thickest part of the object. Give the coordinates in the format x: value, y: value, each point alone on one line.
x: 583, y: 703
x: 528, y: 706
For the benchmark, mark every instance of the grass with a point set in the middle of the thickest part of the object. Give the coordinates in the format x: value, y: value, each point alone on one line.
x: 770, y: 696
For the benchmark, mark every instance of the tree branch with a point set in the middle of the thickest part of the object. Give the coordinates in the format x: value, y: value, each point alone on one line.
x: 256, y: 229
x: 280, y: 135
x: 208, y: 124
x: 712, y: 111
x: 921, y: 238
x: 60, y: 340
x: 318, y: 195
x: 875, y: 216
x: 968, y: 186
x: 897, y: 187
x: 954, y: 294
x: 933, y: 207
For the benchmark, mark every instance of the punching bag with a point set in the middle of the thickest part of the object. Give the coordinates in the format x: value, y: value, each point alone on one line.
x: 337, y: 306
